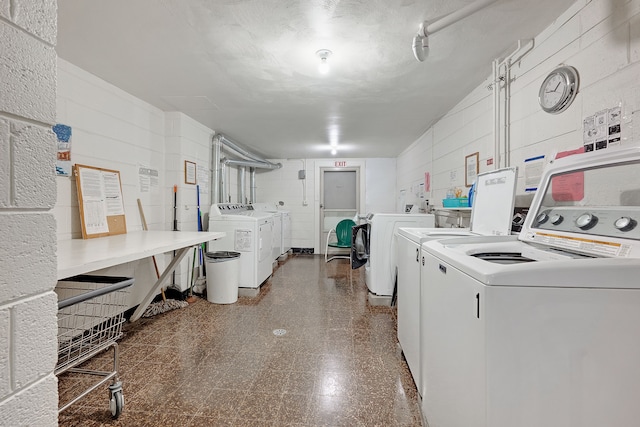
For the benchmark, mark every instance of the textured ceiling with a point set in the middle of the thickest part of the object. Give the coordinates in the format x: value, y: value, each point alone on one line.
x: 248, y: 69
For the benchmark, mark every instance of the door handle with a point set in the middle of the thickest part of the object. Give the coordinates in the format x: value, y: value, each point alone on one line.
x: 417, y: 255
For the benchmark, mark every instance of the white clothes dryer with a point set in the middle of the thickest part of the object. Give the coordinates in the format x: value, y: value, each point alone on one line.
x: 491, y: 214
x: 282, y: 227
x: 250, y: 233
x: 542, y: 328
x: 379, y: 256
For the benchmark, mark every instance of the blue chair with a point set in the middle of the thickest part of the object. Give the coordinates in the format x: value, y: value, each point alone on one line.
x: 343, y: 236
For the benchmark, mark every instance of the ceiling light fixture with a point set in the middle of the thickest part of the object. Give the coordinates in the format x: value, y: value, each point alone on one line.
x: 323, y: 54
x: 334, y: 151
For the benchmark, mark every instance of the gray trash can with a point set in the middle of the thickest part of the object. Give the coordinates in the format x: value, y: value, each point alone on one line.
x: 223, y: 270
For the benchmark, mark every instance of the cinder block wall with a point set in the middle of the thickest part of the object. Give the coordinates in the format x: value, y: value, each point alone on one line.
x: 28, y: 328
x: 601, y: 38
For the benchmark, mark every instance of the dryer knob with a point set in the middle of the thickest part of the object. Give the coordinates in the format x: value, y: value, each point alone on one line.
x: 625, y: 223
x: 586, y: 221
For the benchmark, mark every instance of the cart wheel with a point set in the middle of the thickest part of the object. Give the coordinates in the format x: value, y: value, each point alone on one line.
x: 116, y: 404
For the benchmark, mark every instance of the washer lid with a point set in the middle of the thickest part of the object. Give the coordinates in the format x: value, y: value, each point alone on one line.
x: 495, y: 194
x: 420, y: 235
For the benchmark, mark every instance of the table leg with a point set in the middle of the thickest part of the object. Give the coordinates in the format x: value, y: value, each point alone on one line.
x: 180, y: 253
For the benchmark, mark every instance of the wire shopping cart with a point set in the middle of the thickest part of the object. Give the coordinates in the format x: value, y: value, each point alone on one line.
x: 90, y: 317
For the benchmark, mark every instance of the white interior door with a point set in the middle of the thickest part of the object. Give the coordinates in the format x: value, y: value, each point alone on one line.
x: 340, y: 198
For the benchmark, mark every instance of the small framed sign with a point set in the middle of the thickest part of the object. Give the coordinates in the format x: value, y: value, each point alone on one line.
x: 470, y: 168
x: 189, y: 172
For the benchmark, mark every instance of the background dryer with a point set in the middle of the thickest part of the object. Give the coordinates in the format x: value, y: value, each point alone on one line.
x: 380, y: 262
x: 282, y: 234
x: 250, y: 233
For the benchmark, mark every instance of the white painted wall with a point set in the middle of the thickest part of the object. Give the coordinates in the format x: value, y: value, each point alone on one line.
x: 377, y: 188
x: 28, y: 327
x: 115, y: 130
x: 601, y: 38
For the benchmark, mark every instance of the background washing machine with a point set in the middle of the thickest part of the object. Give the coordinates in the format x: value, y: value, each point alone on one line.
x: 491, y: 214
x: 542, y: 329
x: 381, y: 243
x: 250, y: 233
x: 282, y: 229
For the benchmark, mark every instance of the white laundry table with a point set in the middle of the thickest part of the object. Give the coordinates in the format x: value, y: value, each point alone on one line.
x: 80, y: 256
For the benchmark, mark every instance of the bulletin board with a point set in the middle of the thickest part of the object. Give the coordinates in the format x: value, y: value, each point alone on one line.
x: 100, y: 201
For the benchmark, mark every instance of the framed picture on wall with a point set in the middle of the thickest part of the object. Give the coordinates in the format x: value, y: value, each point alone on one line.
x: 470, y: 168
x: 189, y: 172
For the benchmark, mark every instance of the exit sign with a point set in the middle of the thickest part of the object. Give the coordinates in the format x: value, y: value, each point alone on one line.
x: 341, y: 164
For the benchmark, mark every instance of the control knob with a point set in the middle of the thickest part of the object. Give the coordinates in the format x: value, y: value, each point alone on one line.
x: 625, y: 223
x: 586, y: 221
x: 542, y: 218
x: 556, y: 219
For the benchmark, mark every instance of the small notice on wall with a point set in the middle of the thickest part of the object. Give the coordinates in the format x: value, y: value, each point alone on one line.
x: 148, y: 180
x: 533, y: 168
x: 63, y: 160
x: 203, y: 178
x: 602, y: 130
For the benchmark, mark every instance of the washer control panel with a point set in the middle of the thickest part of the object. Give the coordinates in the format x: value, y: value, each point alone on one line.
x: 615, y: 222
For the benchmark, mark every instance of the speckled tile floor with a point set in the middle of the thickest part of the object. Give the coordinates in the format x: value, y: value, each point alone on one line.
x: 221, y: 365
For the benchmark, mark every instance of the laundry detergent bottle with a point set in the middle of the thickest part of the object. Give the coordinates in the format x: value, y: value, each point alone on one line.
x: 472, y: 191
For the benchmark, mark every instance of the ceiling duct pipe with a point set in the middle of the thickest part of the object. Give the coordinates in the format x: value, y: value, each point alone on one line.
x: 260, y: 162
x: 421, y: 39
x: 252, y: 185
x: 250, y: 163
x: 242, y: 173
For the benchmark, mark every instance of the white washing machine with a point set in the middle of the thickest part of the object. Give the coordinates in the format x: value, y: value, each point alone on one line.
x: 248, y: 232
x: 380, y: 254
x: 491, y: 214
x: 542, y: 329
x: 282, y: 228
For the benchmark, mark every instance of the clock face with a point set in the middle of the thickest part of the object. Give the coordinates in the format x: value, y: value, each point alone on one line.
x: 554, y: 88
x: 558, y: 90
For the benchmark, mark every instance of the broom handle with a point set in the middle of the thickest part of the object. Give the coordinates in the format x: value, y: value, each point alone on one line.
x: 155, y: 263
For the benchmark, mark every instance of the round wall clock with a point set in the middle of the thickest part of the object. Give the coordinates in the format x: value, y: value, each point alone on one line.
x: 559, y: 89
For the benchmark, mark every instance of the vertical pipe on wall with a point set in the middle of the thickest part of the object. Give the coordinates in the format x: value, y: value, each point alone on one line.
x: 215, y: 169
x: 508, y: 63
x: 496, y: 113
x: 241, y: 184
x: 252, y: 185
x: 223, y: 186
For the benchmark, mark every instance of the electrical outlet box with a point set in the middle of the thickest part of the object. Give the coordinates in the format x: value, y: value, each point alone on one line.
x: 302, y: 174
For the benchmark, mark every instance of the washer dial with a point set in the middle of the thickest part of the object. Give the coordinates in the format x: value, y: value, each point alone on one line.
x: 542, y: 218
x: 556, y: 219
x: 625, y: 223
x: 586, y: 221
